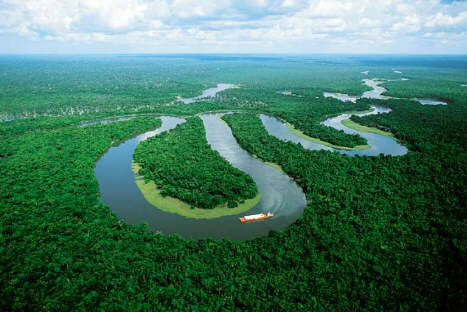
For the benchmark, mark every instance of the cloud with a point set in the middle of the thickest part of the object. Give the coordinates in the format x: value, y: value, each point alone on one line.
x: 410, y: 23
x: 229, y: 25
x: 442, y: 20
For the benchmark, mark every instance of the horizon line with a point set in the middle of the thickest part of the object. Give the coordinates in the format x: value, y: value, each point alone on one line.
x: 233, y: 53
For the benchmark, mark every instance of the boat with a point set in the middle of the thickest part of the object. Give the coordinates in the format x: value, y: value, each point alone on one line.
x: 256, y: 217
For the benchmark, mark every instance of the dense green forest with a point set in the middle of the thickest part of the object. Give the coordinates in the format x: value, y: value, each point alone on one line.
x: 184, y: 166
x: 379, y: 233
x: 363, y: 198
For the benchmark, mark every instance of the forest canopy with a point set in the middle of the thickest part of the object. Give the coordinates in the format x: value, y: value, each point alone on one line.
x: 378, y: 233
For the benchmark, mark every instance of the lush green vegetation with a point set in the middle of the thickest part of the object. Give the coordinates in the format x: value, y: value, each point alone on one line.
x: 308, y: 117
x: 183, y: 165
x: 301, y: 134
x: 136, y: 84
x: 397, y: 235
x: 152, y: 194
x: 306, y: 114
x: 353, y: 125
x: 379, y: 233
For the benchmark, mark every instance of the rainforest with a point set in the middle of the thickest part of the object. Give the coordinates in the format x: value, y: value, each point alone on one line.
x: 123, y: 179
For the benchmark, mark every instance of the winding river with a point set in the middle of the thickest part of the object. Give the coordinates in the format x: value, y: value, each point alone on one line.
x: 279, y: 193
x: 379, y: 144
x: 377, y: 93
x: 211, y: 92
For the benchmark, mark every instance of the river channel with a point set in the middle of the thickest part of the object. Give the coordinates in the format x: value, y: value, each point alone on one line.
x: 279, y: 193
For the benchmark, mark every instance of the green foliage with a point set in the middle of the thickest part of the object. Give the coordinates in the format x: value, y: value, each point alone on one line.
x: 379, y: 233
x: 183, y: 165
x: 372, y: 226
x: 131, y: 84
x: 308, y: 117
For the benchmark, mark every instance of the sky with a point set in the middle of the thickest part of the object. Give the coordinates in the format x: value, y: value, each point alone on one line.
x: 228, y: 26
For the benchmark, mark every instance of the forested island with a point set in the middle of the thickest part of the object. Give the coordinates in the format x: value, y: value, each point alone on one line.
x: 182, y: 165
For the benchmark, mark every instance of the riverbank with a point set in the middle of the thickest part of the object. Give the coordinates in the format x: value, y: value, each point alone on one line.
x: 169, y: 204
x: 318, y: 141
x: 353, y: 125
x: 135, y: 201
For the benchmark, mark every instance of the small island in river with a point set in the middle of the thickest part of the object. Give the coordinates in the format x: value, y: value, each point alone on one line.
x: 180, y: 173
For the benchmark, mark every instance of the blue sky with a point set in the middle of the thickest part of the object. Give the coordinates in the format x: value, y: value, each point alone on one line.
x: 227, y: 26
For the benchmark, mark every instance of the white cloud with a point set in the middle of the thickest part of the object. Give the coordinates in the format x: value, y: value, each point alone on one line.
x: 368, y: 22
x: 276, y: 24
x: 443, y: 20
x: 331, y: 8
x: 410, y: 23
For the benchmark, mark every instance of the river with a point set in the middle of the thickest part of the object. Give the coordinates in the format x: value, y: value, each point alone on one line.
x: 279, y: 193
x: 208, y: 93
x: 379, y: 144
x: 377, y: 93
